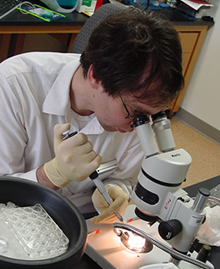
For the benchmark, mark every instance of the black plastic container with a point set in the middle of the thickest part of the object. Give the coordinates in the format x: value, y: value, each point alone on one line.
x: 23, y: 192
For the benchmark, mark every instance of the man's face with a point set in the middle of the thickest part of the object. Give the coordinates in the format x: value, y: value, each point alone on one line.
x: 112, y: 115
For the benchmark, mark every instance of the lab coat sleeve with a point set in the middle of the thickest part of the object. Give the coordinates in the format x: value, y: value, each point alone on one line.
x: 13, y: 134
x: 30, y: 175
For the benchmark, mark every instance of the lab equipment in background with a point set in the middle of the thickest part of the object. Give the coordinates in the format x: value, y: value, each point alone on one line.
x: 31, y: 233
x: 148, y: 4
x: 63, y: 6
x: 193, y: 9
x: 204, y: 253
x: 40, y: 12
x: 7, y: 6
x: 25, y: 193
x: 86, y: 6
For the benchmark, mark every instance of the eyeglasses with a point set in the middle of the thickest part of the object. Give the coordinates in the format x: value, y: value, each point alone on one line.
x: 137, y: 113
x: 129, y: 115
x: 126, y: 109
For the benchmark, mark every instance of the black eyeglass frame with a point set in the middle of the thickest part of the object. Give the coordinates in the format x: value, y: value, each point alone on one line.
x: 129, y: 116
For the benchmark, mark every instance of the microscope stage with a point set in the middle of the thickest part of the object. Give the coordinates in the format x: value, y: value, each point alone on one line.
x: 106, y: 250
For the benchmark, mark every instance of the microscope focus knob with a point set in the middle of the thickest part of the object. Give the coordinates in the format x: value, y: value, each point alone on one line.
x: 170, y: 228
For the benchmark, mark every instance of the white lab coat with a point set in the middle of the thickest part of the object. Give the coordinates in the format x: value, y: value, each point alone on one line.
x: 34, y: 96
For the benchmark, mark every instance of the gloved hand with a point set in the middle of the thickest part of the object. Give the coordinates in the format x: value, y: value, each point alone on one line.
x: 119, y: 203
x: 75, y: 159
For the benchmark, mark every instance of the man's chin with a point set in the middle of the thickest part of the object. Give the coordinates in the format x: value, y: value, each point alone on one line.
x: 117, y: 129
x: 121, y: 130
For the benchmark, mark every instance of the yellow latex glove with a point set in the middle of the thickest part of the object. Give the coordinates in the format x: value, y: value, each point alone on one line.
x: 119, y: 203
x: 75, y: 159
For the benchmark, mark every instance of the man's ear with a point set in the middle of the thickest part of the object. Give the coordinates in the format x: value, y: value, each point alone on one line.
x: 93, y: 82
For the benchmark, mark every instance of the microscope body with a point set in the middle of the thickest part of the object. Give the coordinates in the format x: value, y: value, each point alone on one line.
x: 158, y: 195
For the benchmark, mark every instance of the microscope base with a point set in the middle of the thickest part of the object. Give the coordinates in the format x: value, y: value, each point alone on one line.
x: 106, y: 250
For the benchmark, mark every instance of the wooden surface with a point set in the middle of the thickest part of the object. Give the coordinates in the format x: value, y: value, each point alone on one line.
x: 9, y: 46
x: 192, y: 38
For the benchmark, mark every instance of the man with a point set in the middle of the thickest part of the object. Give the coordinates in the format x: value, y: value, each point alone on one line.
x: 131, y: 65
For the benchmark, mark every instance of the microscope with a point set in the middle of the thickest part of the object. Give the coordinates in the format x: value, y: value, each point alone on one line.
x: 158, y: 196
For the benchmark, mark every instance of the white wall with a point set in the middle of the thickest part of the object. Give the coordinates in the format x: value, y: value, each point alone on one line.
x: 202, y: 98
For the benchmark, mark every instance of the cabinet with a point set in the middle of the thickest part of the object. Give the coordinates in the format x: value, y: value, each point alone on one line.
x: 12, y: 40
x: 192, y: 38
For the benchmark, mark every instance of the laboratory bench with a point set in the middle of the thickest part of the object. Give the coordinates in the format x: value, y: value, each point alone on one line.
x: 87, y: 263
x: 16, y: 25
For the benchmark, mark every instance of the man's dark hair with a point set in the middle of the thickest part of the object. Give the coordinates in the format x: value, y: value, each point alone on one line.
x: 138, y: 52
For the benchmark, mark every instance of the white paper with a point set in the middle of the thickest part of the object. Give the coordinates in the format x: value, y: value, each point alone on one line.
x: 197, y: 4
x: 209, y: 232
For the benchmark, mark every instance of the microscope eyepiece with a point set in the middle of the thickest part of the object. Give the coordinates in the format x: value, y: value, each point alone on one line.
x: 159, y: 116
x: 139, y: 120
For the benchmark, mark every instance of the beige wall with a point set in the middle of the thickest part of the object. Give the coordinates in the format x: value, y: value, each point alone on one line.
x: 202, y: 98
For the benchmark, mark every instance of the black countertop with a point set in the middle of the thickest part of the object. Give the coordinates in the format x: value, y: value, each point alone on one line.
x: 20, y: 19
x: 177, y: 19
x: 78, y: 19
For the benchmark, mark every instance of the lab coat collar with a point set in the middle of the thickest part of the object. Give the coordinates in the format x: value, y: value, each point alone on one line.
x: 93, y: 127
x: 57, y: 100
